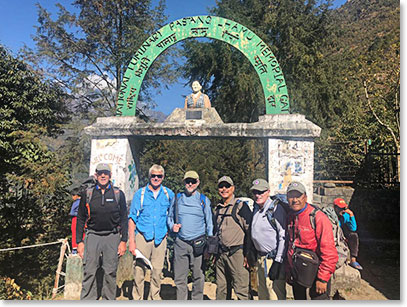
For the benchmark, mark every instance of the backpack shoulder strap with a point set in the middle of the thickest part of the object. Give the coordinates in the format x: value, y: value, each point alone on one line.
x: 143, y: 191
x: 116, y: 191
x: 234, y: 213
x: 166, y: 193
x: 89, y: 192
x: 270, y: 214
x: 313, y: 214
x: 203, y: 203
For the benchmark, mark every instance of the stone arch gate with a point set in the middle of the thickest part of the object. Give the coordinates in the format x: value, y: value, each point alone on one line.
x: 290, y: 136
x: 290, y: 139
x: 115, y: 140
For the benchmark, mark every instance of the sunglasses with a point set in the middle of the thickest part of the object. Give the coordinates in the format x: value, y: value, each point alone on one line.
x: 157, y: 176
x: 257, y: 192
x: 224, y: 185
x: 190, y: 181
x: 100, y: 173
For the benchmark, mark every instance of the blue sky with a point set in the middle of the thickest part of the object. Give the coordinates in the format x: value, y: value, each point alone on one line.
x: 18, y: 18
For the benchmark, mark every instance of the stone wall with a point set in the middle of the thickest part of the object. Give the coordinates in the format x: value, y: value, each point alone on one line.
x: 377, y: 211
x: 325, y: 195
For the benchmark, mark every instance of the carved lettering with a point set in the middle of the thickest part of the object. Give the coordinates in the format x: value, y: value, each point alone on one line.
x: 262, y: 67
x: 144, y: 63
x: 284, y: 100
x: 203, y: 31
x: 271, y: 100
x: 167, y: 41
x: 231, y: 36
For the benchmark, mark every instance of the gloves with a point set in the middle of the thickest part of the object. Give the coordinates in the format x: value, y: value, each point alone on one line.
x: 274, y: 271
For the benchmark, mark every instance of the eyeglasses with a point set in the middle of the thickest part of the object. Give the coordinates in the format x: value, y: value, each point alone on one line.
x: 190, y: 181
x: 100, y: 173
x: 257, y: 192
x: 224, y: 185
x: 157, y: 175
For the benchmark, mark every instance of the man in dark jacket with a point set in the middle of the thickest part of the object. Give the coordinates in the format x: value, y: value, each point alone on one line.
x: 103, y: 209
x: 302, y: 235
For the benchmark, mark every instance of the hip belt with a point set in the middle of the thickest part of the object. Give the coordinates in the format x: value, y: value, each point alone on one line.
x: 269, y: 255
x: 103, y: 232
x: 192, y: 242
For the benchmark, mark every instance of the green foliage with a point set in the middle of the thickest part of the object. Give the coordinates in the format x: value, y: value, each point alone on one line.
x: 327, y: 56
x: 9, y: 290
x: 363, y: 52
x: 33, y: 199
x: 87, y: 49
x: 212, y: 159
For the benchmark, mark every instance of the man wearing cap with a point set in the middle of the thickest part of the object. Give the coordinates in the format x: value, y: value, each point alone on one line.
x: 268, y: 236
x: 233, y: 218
x: 103, y: 209
x: 303, y: 236
x: 190, y: 217
x: 148, y: 230
x: 348, y: 224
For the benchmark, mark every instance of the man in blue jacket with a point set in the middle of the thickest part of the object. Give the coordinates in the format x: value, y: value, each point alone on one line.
x: 191, y: 219
x: 348, y: 224
x: 148, y: 230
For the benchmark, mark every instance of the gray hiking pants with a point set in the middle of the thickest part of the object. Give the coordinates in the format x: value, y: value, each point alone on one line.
x: 232, y: 267
x: 183, y: 259
x: 95, y: 245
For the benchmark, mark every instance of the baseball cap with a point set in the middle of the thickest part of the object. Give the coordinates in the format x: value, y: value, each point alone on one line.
x: 103, y: 167
x: 191, y: 174
x: 296, y: 186
x: 260, y: 185
x: 225, y: 179
x: 339, y: 202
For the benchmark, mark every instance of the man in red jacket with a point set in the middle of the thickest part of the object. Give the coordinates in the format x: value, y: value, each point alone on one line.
x: 319, y: 240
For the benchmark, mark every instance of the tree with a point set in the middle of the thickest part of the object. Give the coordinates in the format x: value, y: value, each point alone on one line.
x: 365, y: 51
x: 33, y: 198
x: 294, y: 30
x: 87, y: 51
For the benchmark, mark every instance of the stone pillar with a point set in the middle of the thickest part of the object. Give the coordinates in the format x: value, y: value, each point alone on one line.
x: 118, y: 153
x: 291, y: 157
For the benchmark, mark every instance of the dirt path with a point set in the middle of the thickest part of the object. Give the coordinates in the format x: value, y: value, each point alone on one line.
x: 380, y: 276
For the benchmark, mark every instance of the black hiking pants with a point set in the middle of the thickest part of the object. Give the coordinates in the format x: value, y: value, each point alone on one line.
x: 300, y: 292
x: 353, y: 242
x: 95, y: 246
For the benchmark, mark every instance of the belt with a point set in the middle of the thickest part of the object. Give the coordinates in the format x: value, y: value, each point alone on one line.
x: 268, y: 255
x: 230, y: 249
x: 103, y: 232
x: 191, y: 242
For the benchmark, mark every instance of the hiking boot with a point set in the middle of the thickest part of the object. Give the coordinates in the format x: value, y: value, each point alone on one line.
x: 356, y: 265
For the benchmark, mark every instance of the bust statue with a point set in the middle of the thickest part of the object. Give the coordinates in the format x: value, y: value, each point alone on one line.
x: 197, y: 99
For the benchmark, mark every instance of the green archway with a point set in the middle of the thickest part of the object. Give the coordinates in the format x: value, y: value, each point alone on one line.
x: 240, y: 37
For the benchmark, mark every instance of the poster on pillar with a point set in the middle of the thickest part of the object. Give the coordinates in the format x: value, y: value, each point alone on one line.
x: 291, y: 160
x: 117, y: 153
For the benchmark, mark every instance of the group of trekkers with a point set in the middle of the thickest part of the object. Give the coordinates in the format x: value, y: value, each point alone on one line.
x: 284, y: 237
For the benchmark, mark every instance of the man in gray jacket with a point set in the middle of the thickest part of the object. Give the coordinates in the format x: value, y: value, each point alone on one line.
x: 268, y: 236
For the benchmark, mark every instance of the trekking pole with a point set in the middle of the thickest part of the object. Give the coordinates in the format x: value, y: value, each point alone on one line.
x: 61, y: 259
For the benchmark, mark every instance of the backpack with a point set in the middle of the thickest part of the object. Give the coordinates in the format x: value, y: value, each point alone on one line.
x: 143, y: 191
x: 339, y: 237
x: 278, y: 199
x: 234, y: 213
x: 203, y: 204
x: 89, y: 192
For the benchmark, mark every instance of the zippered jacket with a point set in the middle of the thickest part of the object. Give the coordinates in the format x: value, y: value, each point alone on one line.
x: 106, y: 215
x: 320, y: 240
